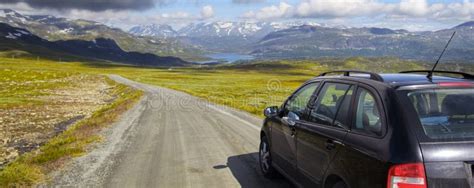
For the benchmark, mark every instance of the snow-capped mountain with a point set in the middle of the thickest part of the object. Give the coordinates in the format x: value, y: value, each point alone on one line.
x: 12, y: 17
x: 154, y: 30
x: 241, y: 29
x: 218, y: 35
x: 315, y: 42
x: 56, y: 28
x: 223, y: 29
x: 22, y: 41
x: 246, y: 30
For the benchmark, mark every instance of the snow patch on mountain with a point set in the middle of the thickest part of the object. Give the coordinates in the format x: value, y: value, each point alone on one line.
x: 244, y: 29
x: 67, y: 30
x: 153, y: 30
x: 12, y: 36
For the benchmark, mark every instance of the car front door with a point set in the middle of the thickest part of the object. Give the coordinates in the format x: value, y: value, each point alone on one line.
x: 283, y: 143
x: 322, y: 132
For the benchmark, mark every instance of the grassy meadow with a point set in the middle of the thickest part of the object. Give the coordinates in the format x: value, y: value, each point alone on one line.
x: 50, y: 113
x: 27, y: 83
x: 253, y: 86
x: 246, y: 86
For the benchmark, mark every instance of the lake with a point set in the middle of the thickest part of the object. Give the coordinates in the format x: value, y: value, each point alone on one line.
x: 227, y: 57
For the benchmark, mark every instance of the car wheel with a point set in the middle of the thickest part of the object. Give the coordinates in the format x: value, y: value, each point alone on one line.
x: 339, y: 185
x: 265, y: 159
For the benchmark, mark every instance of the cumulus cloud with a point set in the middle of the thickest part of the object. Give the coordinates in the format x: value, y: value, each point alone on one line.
x: 271, y: 12
x: 247, y: 1
x: 207, y: 12
x: 339, y: 8
x: 366, y: 8
x: 92, y: 5
x: 413, y: 7
x: 124, y: 19
x: 176, y: 15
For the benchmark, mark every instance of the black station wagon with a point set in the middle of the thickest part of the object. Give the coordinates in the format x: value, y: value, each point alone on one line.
x: 361, y: 129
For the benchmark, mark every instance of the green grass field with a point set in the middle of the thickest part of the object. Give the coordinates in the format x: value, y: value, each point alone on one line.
x: 247, y: 86
x: 39, y: 97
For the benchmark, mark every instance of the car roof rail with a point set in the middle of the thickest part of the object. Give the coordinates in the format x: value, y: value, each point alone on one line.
x: 373, y: 76
x: 463, y: 74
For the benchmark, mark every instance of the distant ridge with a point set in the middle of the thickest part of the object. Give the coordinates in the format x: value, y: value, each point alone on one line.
x: 56, y: 28
x: 14, y: 39
x: 466, y: 24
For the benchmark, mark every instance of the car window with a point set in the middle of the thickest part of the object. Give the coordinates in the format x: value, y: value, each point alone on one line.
x: 299, y: 101
x: 368, y: 118
x: 343, y: 114
x: 330, y: 99
x: 445, y: 113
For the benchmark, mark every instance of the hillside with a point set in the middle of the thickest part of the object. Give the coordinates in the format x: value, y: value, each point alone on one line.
x: 53, y: 28
x: 17, y: 39
x: 220, y: 36
x: 315, y: 41
x: 300, y: 40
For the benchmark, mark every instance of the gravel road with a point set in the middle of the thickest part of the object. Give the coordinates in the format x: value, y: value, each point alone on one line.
x: 172, y: 139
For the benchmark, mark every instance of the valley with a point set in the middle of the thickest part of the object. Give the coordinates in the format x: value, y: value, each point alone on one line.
x: 306, y: 40
x: 44, y: 86
x: 262, y: 40
x: 79, y: 97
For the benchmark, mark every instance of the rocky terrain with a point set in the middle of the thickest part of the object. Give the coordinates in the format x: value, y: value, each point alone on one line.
x: 25, y: 127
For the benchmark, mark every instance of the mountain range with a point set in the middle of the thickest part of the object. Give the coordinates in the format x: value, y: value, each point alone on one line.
x: 18, y: 40
x: 218, y: 36
x: 311, y: 40
x: 53, y: 28
x: 314, y: 41
x: 264, y: 40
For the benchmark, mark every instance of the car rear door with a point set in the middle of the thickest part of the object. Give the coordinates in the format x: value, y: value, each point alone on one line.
x: 449, y: 164
x: 445, y: 127
x: 283, y: 145
x: 321, y: 134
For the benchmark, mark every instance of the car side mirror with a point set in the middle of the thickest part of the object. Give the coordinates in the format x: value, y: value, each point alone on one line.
x: 291, y: 119
x: 271, y: 111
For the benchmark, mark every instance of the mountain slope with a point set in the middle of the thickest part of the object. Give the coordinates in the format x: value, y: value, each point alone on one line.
x: 223, y: 36
x: 315, y: 41
x: 17, y: 39
x: 154, y: 30
x: 53, y: 29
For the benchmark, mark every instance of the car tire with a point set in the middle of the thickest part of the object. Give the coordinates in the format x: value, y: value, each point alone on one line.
x: 339, y: 184
x: 265, y: 160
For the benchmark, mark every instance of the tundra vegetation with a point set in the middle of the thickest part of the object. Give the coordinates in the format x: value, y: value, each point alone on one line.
x: 52, y: 111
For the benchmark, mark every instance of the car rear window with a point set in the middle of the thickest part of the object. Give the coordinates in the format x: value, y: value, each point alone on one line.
x: 445, y: 113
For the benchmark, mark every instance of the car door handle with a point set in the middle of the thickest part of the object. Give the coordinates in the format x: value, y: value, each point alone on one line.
x: 293, y: 131
x: 289, y: 122
x: 332, y: 144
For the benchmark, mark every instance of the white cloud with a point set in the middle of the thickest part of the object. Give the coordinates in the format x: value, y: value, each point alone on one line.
x: 117, y: 18
x: 464, y: 10
x: 247, y: 1
x: 271, y: 12
x: 176, y: 15
x: 366, y: 8
x: 207, y: 12
x: 339, y: 8
x: 413, y: 7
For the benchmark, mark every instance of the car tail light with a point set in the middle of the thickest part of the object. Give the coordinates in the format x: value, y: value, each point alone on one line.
x: 455, y: 84
x: 407, y: 176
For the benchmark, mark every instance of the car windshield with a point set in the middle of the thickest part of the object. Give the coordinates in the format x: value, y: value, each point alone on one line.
x: 445, y: 113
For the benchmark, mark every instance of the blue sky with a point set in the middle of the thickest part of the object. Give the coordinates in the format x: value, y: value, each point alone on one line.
x: 398, y: 14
